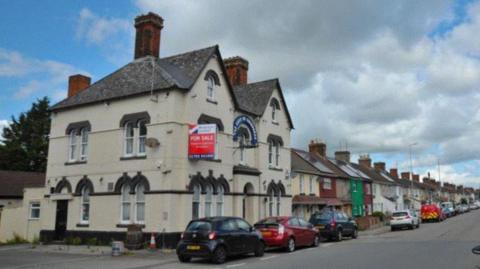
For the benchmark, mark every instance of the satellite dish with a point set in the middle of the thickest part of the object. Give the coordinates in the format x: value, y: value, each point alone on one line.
x: 152, y: 142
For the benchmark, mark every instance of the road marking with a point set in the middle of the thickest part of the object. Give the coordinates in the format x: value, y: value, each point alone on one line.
x: 326, y: 245
x: 235, y: 265
x: 268, y: 258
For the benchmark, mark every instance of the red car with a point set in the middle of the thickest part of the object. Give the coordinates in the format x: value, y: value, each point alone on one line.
x: 288, y: 232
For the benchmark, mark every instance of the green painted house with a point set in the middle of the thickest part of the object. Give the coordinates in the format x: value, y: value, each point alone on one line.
x: 356, y: 190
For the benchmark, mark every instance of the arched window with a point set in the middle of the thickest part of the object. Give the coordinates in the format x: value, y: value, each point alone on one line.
x: 277, y: 154
x: 278, y: 203
x: 125, y: 203
x: 72, y: 152
x: 208, y: 201
x: 270, y: 204
x: 85, y: 208
x: 140, y: 203
x: 196, y: 202
x: 129, y: 138
x: 270, y: 152
x: 210, y: 88
x: 242, y: 142
x: 220, y: 194
x: 273, y: 114
x: 142, y: 136
x: 84, y: 144
x: 275, y: 105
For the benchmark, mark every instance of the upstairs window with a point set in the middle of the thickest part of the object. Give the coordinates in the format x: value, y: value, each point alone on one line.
x: 210, y: 89
x: 242, y: 143
x: 311, y: 184
x: 277, y: 154
x: 275, y: 107
x: 270, y: 152
x: 78, y: 133
x: 327, y: 184
x: 134, y: 133
x: 72, y: 155
x: 84, y: 144
x: 129, y: 138
x: 301, y: 184
x: 274, y: 144
x: 142, y: 136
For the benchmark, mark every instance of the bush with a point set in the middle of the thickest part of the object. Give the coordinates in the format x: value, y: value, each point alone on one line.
x: 76, y: 241
x: 92, y: 241
x: 17, y: 239
x: 379, y: 215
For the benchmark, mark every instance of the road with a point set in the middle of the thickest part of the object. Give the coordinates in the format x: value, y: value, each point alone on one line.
x: 434, y: 245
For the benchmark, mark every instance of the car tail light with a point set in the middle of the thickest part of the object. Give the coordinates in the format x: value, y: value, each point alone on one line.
x: 212, y: 236
x: 281, y: 229
x: 333, y: 223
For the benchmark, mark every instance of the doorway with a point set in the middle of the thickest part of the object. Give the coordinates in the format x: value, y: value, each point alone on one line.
x: 61, y: 219
x: 247, y: 202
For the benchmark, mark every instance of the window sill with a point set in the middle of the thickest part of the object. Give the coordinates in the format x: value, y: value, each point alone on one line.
x: 33, y: 219
x: 275, y: 168
x: 140, y: 157
x: 212, y: 101
x: 212, y: 160
x: 125, y: 225
x: 83, y: 225
x: 75, y: 162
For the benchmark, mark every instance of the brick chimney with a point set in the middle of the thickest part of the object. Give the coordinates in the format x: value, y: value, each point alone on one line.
x: 405, y: 175
x: 365, y: 161
x: 394, y: 172
x: 318, y: 147
x: 237, y: 70
x: 147, y: 38
x: 342, y: 156
x: 379, y: 166
x: 77, y: 83
x: 416, y: 177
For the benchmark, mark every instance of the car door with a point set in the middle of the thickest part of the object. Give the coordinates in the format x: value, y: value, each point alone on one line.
x: 346, y: 225
x: 247, y: 236
x: 229, y: 233
x: 294, y: 226
x: 307, y: 232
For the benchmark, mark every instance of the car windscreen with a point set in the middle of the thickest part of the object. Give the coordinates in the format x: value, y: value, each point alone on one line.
x: 199, y: 226
x: 400, y: 214
x: 325, y: 216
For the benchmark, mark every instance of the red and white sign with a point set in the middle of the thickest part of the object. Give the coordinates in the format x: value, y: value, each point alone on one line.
x: 202, y: 140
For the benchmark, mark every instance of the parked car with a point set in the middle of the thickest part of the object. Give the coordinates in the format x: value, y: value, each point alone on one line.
x: 431, y: 212
x: 447, y: 208
x: 404, y: 218
x: 472, y: 206
x: 334, y: 225
x: 217, y: 238
x: 288, y: 232
x: 464, y: 208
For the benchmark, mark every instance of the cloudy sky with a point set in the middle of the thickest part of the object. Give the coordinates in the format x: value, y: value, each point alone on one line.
x: 368, y: 76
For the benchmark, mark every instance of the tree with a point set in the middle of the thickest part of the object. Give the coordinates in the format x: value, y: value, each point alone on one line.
x: 25, y: 140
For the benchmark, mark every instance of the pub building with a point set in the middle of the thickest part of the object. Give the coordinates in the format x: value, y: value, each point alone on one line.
x: 162, y: 141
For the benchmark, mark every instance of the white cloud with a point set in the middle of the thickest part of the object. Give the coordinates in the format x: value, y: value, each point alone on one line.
x: 3, y: 124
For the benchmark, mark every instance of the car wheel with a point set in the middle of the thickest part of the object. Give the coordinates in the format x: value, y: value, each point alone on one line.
x: 355, y: 233
x: 219, y: 255
x: 316, y: 241
x: 260, y: 249
x: 183, y: 258
x: 418, y: 225
x: 411, y: 227
x: 339, y: 236
x: 392, y: 229
x: 291, y: 245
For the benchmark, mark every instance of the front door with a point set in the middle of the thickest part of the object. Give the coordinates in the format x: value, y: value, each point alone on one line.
x: 61, y: 219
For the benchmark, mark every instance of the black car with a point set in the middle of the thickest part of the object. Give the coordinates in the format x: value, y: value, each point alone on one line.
x: 334, y: 225
x: 217, y: 238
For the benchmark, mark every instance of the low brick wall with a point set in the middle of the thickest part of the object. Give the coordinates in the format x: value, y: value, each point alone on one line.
x: 367, y: 222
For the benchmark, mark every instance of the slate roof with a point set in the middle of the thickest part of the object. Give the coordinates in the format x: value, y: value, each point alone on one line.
x: 12, y: 183
x: 307, y: 162
x: 375, y: 176
x: 348, y: 169
x: 178, y: 71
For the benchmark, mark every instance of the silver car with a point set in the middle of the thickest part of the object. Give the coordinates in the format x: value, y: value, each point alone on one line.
x: 404, y: 219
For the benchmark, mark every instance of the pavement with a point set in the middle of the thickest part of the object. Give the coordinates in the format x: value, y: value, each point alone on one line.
x: 435, y: 245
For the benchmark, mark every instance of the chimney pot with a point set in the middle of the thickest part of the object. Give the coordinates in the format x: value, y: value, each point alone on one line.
x: 319, y: 148
x: 342, y: 156
x: 77, y: 83
x: 394, y: 172
x: 365, y: 161
x: 237, y: 70
x: 147, y: 37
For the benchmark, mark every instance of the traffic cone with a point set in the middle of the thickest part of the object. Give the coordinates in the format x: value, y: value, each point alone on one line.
x: 153, y: 245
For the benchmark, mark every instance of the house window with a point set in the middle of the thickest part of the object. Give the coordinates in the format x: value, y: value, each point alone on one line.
x: 327, y: 184
x: 367, y: 189
x: 142, y: 136
x: 273, y: 113
x: 129, y: 138
x: 220, y: 201
x: 84, y: 144
x: 196, y: 202
x: 243, y: 141
x: 277, y: 154
x: 275, y: 105
x: 270, y: 204
x: 354, y: 187
x: 270, y: 152
x: 72, y: 155
x: 311, y: 184
x: 301, y: 184
x: 208, y: 201
x: 278, y: 203
x: 140, y: 203
x: 34, y: 210
x: 125, y: 203
x: 85, y: 209
x: 210, y: 88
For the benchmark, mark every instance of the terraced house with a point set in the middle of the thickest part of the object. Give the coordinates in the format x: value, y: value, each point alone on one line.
x: 164, y: 140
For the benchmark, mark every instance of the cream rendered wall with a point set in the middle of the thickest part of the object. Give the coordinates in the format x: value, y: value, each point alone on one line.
x: 15, y: 220
x: 10, y: 203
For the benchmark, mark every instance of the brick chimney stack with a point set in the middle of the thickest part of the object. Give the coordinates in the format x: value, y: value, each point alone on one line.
x: 147, y: 38
x: 394, y: 172
x: 379, y: 166
x: 342, y: 156
x: 77, y: 83
x: 237, y: 70
x: 318, y: 147
x: 405, y: 175
x: 416, y: 177
x: 365, y: 161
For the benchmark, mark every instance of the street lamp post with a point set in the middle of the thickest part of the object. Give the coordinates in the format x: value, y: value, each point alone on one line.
x: 411, y: 171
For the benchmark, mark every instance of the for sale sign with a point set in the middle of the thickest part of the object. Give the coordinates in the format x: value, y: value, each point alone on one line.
x: 202, y: 140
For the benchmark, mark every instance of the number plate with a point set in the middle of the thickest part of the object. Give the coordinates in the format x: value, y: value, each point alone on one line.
x: 266, y: 233
x: 193, y: 247
x: 320, y: 226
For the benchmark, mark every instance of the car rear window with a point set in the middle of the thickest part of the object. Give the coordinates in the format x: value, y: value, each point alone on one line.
x: 199, y: 226
x: 268, y: 222
x: 400, y: 214
x: 323, y: 216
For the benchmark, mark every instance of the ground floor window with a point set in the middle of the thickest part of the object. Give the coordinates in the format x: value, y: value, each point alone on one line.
x: 34, y: 210
x: 196, y: 202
